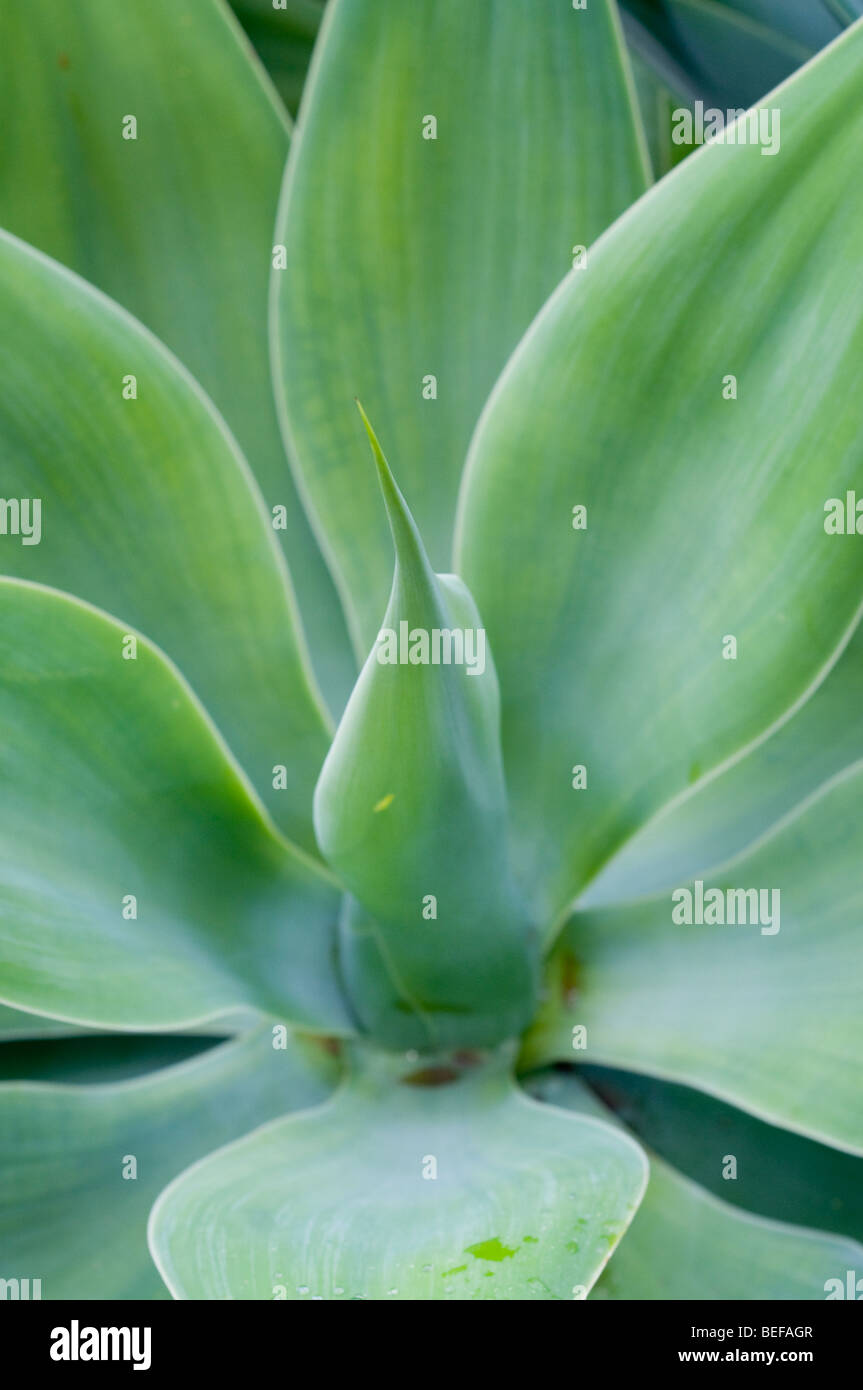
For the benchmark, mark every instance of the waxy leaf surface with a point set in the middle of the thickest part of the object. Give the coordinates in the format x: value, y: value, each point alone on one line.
x: 726, y: 815
x: 71, y: 1211
x: 767, y: 1014
x: 141, y: 884
x: 402, y: 1189
x: 148, y: 511
x: 176, y: 224
x: 705, y: 511
x: 411, y: 258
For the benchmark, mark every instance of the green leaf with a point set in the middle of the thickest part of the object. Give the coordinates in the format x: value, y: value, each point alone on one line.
x: 410, y: 810
x: 406, y: 1185
x: 609, y: 640
x: 778, y: 1174
x: 69, y: 1216
x: 144, y: 889
x: 148, y: 510
x: 15, y: 1025
x: 284, y: 39
x: 765, y: 1014
x: 19, y: 1026
x: 685, y: 1244
x: 724, y: 816
x: 176, y: 224
x: 410, y: 258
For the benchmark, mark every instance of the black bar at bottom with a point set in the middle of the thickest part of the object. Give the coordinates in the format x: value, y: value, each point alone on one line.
x: 156, y: 1339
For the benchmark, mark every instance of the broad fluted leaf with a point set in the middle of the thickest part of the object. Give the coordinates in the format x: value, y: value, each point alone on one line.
x: 412, y: 258
x: 410, y: 810
x: 685, y: 1244
x: 175, y: 224
x: 727, y: 814
x: 409, y: 1184
x: 776, y: 1173
x: 148, y: 510
x: 283, y: 37
x: 141, y: 885
x: 72, y: 1214
x: 766, y: 1013
x: 706, y: 521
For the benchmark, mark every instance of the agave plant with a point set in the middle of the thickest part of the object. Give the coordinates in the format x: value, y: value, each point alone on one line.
x: 574, y: 860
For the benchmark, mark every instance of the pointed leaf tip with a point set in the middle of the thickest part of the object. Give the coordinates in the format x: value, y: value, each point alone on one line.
x: 420, y: 735
x: 385, y: 477
x: 405, y: 533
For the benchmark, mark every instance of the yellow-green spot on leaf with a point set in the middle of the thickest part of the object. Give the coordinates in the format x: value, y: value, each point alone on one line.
x: 530, y: 1240
x: 458, y: 1269
x: 572, y: 1245
x: 490, y: 1250
x: 384, y: 802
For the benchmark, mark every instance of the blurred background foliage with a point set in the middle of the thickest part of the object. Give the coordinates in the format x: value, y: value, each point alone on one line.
x: 726, y: 53
x: 284, y: 39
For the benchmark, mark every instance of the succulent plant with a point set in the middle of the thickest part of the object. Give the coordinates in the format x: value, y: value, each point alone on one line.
x: 430, y: 837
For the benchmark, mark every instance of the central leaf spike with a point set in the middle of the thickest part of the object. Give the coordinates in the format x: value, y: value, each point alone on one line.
x: 409, y: 548
x: 410, y: 810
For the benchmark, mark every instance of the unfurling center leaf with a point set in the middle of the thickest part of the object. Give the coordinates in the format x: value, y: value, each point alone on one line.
x: 410, y: 810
